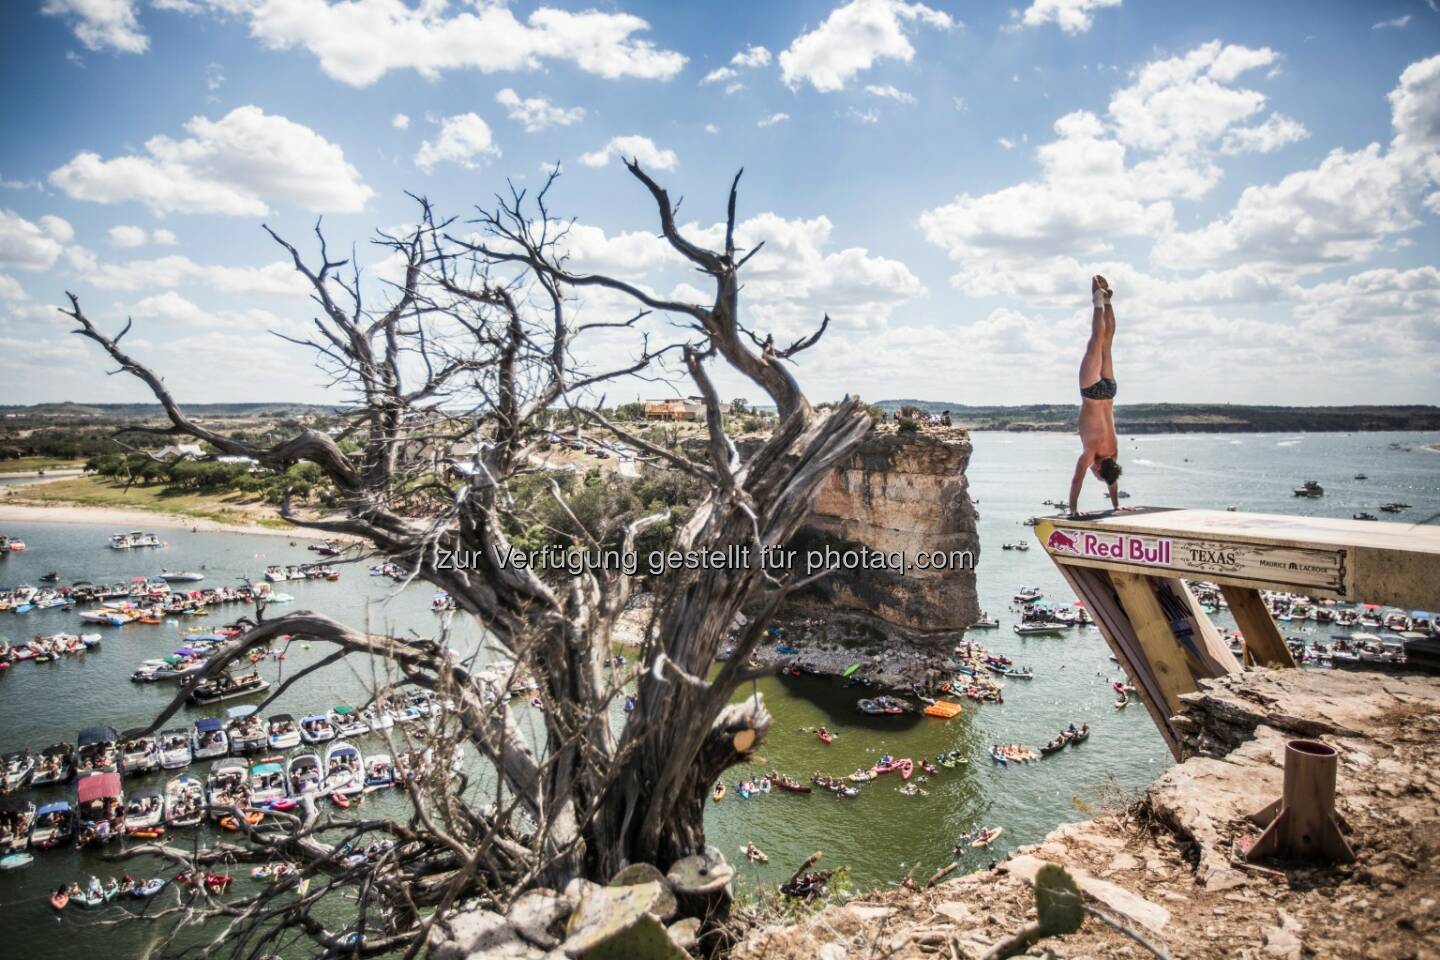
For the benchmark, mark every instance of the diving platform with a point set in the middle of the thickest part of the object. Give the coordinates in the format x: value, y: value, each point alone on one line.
x: 1129, y: 567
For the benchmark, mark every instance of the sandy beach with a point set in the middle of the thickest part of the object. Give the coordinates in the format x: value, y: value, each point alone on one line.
x: 142, y: 520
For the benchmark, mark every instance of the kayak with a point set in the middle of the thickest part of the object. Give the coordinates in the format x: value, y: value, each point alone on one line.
x: 825, y: 736
x: 987, y: 837
x: 850, y: 670
x: 718, y: 793
x: 16, y: 860
x: 60, y: 900
x: 149, y: 888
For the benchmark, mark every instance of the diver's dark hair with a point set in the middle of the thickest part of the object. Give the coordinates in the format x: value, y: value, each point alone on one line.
x: 1110, y: 470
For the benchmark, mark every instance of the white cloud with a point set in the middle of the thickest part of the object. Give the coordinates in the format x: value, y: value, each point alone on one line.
x: 720, y: 75
x: 1398, y: 23
x: 537, y: 113
x: 890, y: 92
x: 234, y: 165
x: 1277, y: 131
x: 273, y: 279
x: 1006, y: 143
x: 126, y: 236
x: 641, y: 148
x: 400, y: 121
x: 752, y: 57
x: 214, y: 77
x: 1072, y: 16
x: 863, y: 116
x: 464, y: 140
x: 101, y: 24
x: 11, y: 290
x: 32, y: 245
x: 1181, y: 102
x: 852, y: 38
x: 359, y: 41
x: 773, y: 119
x: 711, y: 128
x: 731, y: 88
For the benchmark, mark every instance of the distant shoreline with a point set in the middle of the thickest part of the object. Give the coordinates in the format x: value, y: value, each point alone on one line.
x: 122, y: 520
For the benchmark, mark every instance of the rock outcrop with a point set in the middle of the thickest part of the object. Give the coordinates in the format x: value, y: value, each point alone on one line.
x: 904, y: 495
x: 1165, y: 868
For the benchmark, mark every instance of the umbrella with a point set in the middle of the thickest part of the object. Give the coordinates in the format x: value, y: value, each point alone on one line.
x: 344, y: 711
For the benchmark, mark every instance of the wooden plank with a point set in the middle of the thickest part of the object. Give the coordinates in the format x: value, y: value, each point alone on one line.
x: 1215, y: 657
x: 1152, y: 628
x: 1263, y: 642
x: 1096, y: 589
x: 1389, y: 563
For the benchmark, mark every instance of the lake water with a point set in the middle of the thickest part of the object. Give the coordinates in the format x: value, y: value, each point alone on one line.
x: 882, y: 835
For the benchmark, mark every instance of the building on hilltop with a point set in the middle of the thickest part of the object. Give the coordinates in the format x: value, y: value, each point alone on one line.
x: 675, y: 408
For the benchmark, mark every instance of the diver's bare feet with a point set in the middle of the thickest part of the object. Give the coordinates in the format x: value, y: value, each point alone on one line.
x: 1099, y: 283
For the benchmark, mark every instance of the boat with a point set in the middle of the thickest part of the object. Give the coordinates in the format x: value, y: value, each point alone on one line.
x: 60, y: 899
x: 1027, y: 595
x: 267, y: 781
x: 985, y: 623
x: 1309, y: 488
x: 379, y: 771
x: 144, y: 812
x: 174, y: 747
x: 824, y: 736
x: 245, y: 730
x: 1361, y: 476
x: 184, y: 801
x: 189, y: 576
x: 1036, y: 628
x: 1081, y: 735
x: 787, y: 784
x: 227, y: 788
x: 342, y: 770
x: 16, y: 819
x: 139, y: 754
x: 1395, y: 507
x: 226, y: 687
x: 134, y: 540
x: 14, y: 861
x: 754, y: 854
x: 347, y: 722
x: 1121, y: 702
x: 718, y: 793
x: 944, y: 709
x: 143, y: 890
x: 99, y: 802
x: 282, y: 732
x: 986, y: 837
x: 96, y: 895
x: 888, y: 705
x: 315, y: 728
x: 96, y: 751
x: 54, y: 825
x: 208, y: 739
x: 19, y: 767
x: 303, y: 773
x: 1362, y: 515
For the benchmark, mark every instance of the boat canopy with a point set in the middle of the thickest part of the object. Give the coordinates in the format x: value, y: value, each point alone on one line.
x: 60, y: 806
x: 282, y: 718
x: 208, y: 724
x: 134, y: 733
x: 186, y: 652
x: 1421, y: 615
x: 235, y: 713
x: 98, y: 786
x: 96, y: 735
x: 261, y: 769
x: 344, y: 711
x: 312, y: 716
x: 207, y: 638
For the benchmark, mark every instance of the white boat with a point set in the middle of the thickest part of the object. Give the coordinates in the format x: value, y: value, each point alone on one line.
x: 315, y: 728
x: 347, y: 722
x: 139, y: 755
x: 276, y: 574
x: 174, y: 749
x: 184, y: 801
x: 19, y: 768
x: 342, y: 770
x: 303, y: 774
x: 376, y: 719
x: 379, y: 772
x: 267, y: 781
x: 228, y: 786
x: 145, y: 809
x: 188, y: 576
x: 55, y: 765
x: 208, y: 739
x: 283, y: 733
x: 96, y: 751
x: 54, y: 824
x: 1039, y: 628
x: 134, y: 540
x: 246, y: 731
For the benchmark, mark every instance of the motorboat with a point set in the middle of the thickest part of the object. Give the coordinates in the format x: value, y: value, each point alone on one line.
x: 342, y: 770
x: 347, y: 722
x: 19, y: 767
x: 145, y: 811
x: 208, y: 739
x: 16, y: 818
x: 379, y: 771
x: 1309, y: 488
x: 377, y: 719
x: 282, y: 732
x: 184, y: 801
x: 227, y: 787
x: 1037, y: 628
x: 56, y: 764
x: 139, y: 754
x: 267, y: 781
x: 54, y: 825
x: 96, y: 751
x: 1027, y: 595
x: 246, y: 730
x: 315, y: 728
x: 188, y: 576
x: 134, y: 540
x: 226, y: 687
x: 303, y: 773
x: 100, y: 802
x: 174, y: 746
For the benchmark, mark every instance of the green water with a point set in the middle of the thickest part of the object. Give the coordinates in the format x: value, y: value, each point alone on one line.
x: 881, y: 835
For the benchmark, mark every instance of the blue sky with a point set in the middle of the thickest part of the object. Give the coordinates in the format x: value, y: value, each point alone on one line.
x: 1260, y: 181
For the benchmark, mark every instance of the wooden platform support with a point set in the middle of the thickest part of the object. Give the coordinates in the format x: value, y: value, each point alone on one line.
x: 1130, y: 568
x: 1303, y: 824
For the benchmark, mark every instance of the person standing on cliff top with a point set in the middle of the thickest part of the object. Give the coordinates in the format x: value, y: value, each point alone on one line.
x: 1097, y: 401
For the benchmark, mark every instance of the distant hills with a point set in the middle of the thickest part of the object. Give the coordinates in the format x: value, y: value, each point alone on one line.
x: 145, y: 411
x: 1187, y: 417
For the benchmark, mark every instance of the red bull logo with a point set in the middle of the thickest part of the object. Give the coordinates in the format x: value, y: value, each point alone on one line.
x: 1060, y: 540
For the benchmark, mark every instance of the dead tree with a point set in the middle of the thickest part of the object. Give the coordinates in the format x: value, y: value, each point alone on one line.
x: 475, y: 346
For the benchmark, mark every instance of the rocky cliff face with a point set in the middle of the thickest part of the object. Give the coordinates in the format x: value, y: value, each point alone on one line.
x: 905, y: 495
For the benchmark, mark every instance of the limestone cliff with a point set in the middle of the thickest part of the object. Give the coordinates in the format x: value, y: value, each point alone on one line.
x: 901, y: 494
